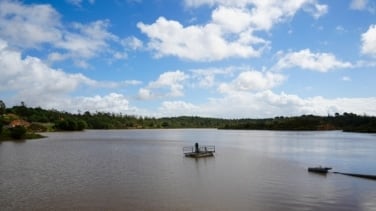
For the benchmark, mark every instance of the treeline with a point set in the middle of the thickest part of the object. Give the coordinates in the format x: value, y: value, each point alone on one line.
x: 43, y: 120
x: 105, y: 120
x: 347, y: 122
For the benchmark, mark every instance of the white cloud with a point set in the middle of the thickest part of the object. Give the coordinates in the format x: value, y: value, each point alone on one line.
x: 132, y: 43
x: 358, y: 4
x: 305, y: 59
x: 177, y: 108
x: 229, y: 33
x: 117, y: 84
x: 320, y: 105
x: 54, y: 57
x: 169, y: 84
x: 316, y: 10
x: 38, y: 26
x: 37, y: 84
x: 29, y: 26
x: 113, y: 102
x: 199, y: 43
x: 206, y: 78
x: 234, y: 20
x: 144, y: 94
x: 258, y: 105
x: 266, y: 103
x: 265, y: 13
x: 90, y: 40
x: 33, y: 80
x: 252, y: 81
x: 369, y: 41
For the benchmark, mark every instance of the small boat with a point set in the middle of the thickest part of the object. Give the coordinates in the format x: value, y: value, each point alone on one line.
x: 199, y: 151
x: 319, y: 169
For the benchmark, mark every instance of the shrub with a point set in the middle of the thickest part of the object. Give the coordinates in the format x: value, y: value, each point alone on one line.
x: 70, y: 124
x: 17, y: 132
x: 35, y: 127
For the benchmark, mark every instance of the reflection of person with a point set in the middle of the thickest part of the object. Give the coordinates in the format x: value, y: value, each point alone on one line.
x: 197, y: 150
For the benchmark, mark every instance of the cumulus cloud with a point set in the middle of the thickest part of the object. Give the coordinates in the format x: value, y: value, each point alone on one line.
x: 229, y: 33
x: 206, y: 78
x: 265, y: 13
x: 199, y: 43
x: 369, y: 41
x: 30, y: 80
x: 305, y: 59
x: 255, y: 105
x: 178, y: 108
x: 252, y: 81
x: 29, y: 26
x: 169, y: 84
x: 33, y: 80
x: 225, y: 16
x: 86, y: 42
x: 268, y: 104
x: 113, y: 102
x: 39, y: 26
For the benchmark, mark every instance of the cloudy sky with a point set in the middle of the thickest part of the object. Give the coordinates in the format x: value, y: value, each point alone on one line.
x: 212, y: 58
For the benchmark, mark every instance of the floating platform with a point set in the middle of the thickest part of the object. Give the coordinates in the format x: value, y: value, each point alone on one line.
x: 199, y: 154
x: 199, y: 151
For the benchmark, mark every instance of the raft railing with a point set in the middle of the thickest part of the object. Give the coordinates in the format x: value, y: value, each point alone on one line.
x: 202, y: 148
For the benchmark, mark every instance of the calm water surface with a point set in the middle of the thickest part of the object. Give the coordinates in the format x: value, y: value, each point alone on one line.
x: 146, y: 170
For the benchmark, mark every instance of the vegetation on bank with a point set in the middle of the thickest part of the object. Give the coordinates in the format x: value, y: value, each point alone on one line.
x: 347, y: 122
x: 22, y: 122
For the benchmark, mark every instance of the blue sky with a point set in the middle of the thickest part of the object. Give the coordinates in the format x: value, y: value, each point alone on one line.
x: 212, y: 58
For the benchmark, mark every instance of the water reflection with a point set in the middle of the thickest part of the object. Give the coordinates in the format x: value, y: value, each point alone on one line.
x: 146, y: 170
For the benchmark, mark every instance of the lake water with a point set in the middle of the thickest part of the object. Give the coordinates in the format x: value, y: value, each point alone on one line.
x: 146, y: 170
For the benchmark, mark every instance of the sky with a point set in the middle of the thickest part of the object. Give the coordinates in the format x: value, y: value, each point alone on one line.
x: 208, y: 58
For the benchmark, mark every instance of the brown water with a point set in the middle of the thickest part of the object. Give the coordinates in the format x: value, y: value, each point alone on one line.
x: 146, y: 170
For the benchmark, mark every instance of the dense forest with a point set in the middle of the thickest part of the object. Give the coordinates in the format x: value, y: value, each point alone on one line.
x: 19, y: 120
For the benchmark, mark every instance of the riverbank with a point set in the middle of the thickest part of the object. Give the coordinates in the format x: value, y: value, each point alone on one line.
x: 5, y: 136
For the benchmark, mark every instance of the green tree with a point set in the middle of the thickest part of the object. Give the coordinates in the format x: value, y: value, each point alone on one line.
x: 2, y: 107
x: 81, y: 125
x: 70, y: 124
x: 2, y: 111
x: 21, y: 110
